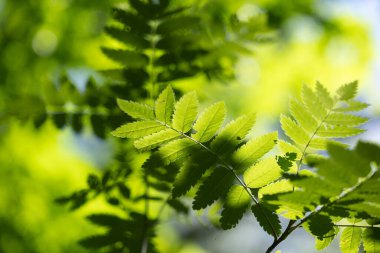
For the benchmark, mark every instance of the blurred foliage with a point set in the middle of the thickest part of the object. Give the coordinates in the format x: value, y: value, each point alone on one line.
x: 53, y: 70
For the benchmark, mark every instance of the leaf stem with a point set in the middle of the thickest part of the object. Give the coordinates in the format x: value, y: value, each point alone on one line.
x: 355, y: 226
x: 311, y: 138
x: 152, y: 60
x: 152, y: 80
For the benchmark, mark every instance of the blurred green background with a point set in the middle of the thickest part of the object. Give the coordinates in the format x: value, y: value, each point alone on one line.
x: 333, y: 42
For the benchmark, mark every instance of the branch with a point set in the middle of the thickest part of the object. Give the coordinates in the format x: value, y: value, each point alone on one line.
x: 356, y: 226
x: 291, y: 227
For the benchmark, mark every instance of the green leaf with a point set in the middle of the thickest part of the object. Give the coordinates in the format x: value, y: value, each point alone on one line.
x: 318, y: 143
x: 178, y: 206
x: 351, y: 106
x: 98, y: 241
x: 209, y: 122
x: 303, y: 116
x: 165, y: 105
x: 107, y: 220
x: 237, y: 202
x: 316, y: 185
x: 213, y: 187
x: 127, y: 58
x: 177, y: 150
x: 137, y: 129
x: 232, y: 134
x: 344, y: 184
x: 262, y: 173
x: 338, y: 131
x: 313, y: 103
x: 319, y: 225
x: 156, y: 139
x: 136, y: 110
x: 268, y: 220
x: 177, y: 24
x: 324, y: 95
x: 347, y: 91
x: 127, y: 37
x: 294, y: 131
x: 191, y: 172
x: 186, y: 110
x: 134, y: 22
x: 254, y: 150
x: 344, y: 119
x: 321, y: 243
x: 350, y: 240
x: 279, y: 186
x: 371, y: 240
x: 286, y: 147
x: 369, y: 151
x: 355, y: 165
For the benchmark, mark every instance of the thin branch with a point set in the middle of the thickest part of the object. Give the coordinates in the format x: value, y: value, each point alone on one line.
x: 316, y: 211
x: 356, y: 226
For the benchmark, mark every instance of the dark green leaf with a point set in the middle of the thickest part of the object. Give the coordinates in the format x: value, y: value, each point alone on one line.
x: 213, y: 187
x: 267, y: 219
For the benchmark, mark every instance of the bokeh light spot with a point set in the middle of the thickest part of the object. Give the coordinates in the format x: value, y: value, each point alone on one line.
x: 44, y: 42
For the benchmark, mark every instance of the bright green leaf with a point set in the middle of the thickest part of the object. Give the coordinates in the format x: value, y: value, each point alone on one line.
x: 155, y: 139
x: 164, y: 105
x: 262, y: 173
x: 303, y: 116
x: 137, y: 129
x: 313, y: 103
x: 232, y: 134
x: 294, y: 131
x: 254, y: 150
x: 136, y: 110
x: 344, y: 119
x: 177, y: 149
x: 209, y: 122
x: 186, y: 110
x: 338, y: 131
x: 350, y: 240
